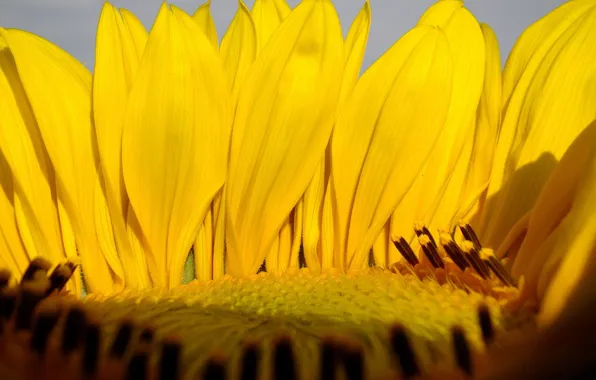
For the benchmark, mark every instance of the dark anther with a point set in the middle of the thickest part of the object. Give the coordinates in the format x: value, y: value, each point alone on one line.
x: 169, y: 364
x: 423, y: 230
x: 30, y: 297
x: 74, y: 330
x: 37, y: 264
x: 146, y: 335
x: 8, y: 301
x: 45, y: 324
x: 328, y: 364
x: 122, y: 340
x: 430, y: 251
x: 470, y: 235
x: 59, y: 277
x: 474, y: 259
x: 284, y: 367
x: 400, y: 345
x: 72, y: 266
x: 91, y: 350
x: 4, y: 278
x: 461, y: 350
x: 353, y: 363
x: 263, y: 267
x: 250, y: 362
x: 486, y: 324
x: 406, y: 251
x: 455, y: 253
x: 215, y: 369
x: 499, y: 270
x: 137, y: 367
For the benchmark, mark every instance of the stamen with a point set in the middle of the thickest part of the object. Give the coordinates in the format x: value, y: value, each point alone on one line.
x: 122, y: 340
x: 59, y: 278
x: 406, y: 251
x: 453, y: 251
x: 31, y: 295
x: 469, y: 234
x: 91, y: 350
x: 498, y: 269
x: 215, y: 369
x: 430, y: 251
x: 37, y: 264
x: 45, y: 324
x: 169, y: 365
x: 420, y: 230
x: 74, y: 329
x: 250, y: 361
x: 284, y: 367
x: 461, y: 350
x: 328, y: 364
x: 473, y: 257
x: 486, y: 324
x: 137, y: 367
x: 403, y: 351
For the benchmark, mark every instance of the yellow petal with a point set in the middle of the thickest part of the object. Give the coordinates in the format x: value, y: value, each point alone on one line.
x: 203, y: 249
x: 471, y: 174
x: 174, y: 155
x: 312, y: 202
x: 267, y: 16
x: 376, y: 151
x: 205, y: 22
x: 13, y: 257
x: 239, y: 48
x: 121, y: 41
x: 62, y: 108
x: 549, y: 106
x: 553, y: 205
x: 354, y: 48
x: 574, y: 275
x: 283, y: 122
x: 32, y: 177
x: 467, y: 45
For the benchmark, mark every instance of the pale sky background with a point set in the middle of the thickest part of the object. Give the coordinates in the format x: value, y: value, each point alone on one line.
x: 71, y: 24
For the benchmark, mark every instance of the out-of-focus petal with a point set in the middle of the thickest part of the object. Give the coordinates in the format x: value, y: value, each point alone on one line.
x: 283, y: 122
x: 547, y: 107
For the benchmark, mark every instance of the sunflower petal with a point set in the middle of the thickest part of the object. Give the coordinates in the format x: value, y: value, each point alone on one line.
x: 550, y: 105
x: 62, y: 108
x: 552, y: 207
x: 267, y: 16
x: 14, y: 257
x: 466, y: 41
x: 283, y: 122
x: 204, y: 20
x: 120, y: 44
x: 376, y: 151
x: 576, y: 241
x: 29, y: 181
x: 354, y: 48
x: 239, y: 48
x: 174, y: 155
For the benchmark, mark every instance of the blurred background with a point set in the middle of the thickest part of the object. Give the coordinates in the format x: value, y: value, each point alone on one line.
x: 71, y: 24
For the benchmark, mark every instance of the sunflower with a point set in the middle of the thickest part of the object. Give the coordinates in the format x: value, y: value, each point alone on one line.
x: 256, y: 209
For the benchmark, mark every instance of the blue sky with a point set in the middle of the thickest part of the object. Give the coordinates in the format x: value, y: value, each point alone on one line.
x: 71, y: 23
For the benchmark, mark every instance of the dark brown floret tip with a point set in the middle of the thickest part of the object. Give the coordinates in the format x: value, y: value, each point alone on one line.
x: 406, y: 251
x: 74, y: 330
x: 461, y: 350
x: 284, y: 365
x: 250, y: 359
x: 91, y: 351
x: 44, y: 325
x: 403, y: 352
x: 38, y: 264
x: 122, y: 340
x: 486, y: 324
x: 215, y: 368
